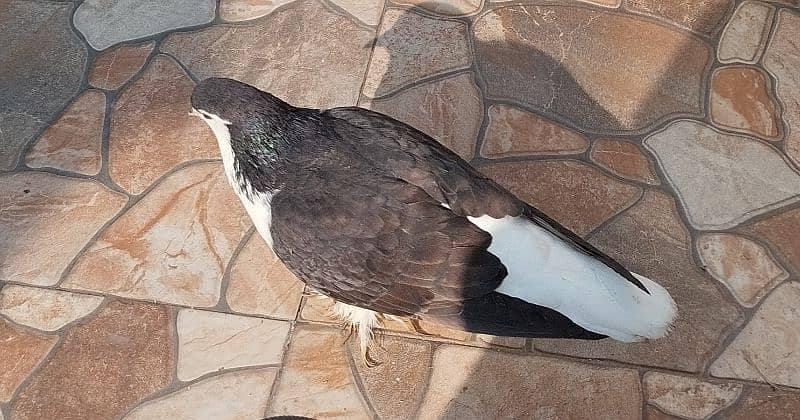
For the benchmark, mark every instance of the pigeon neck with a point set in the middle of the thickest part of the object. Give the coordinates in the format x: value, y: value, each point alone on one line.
x: 261, y: 149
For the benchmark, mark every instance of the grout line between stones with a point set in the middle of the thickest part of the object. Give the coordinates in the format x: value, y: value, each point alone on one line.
x: 282, y: 366
x: 222, y: 303
x: 357, y: 380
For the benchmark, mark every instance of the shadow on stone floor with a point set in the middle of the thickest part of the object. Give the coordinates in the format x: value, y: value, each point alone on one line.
x: 604, y: 74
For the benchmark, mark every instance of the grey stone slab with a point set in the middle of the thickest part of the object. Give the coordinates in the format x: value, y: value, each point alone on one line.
x: 105, y: 23
x: 41, y: 63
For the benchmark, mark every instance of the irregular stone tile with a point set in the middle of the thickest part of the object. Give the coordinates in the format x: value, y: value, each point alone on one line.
x: 236, y: 395
x: 427, y: 330
x: 151, y: 129
x: 624, y: 159
x: 112, y: 68
x: 446, y: 7
x: 781, y: 231
x: 172, y: 246
x: 449, y: 110
x: 651, y: 413
x: 740, y: 100
x: 320, y: 309
x: 72, y: 142
x: 473, y: 383
x: 688, y: 397
x: 744, y: 266
x: 239, y: 10
x: 22, y: 352
x: 103, y: 367
x: 649, y: 239
x: 746, y: 32
x: 45, y: 309
x: 782, y: 59
x: 760, y: 404
x: 604, y: 3
x: 410, y: 47
x: 367, y: 11
x: 595, y: 68
x: 515, y: 132
x: 104, y: 23
x: 319, y: 62
x: 260, y: 284
x: 742, y: 177
x: 36, y: 39
x: 212, y: 341
x: 766, y: 349
x: 704, y: 16
x: 316, y: 379
x: 577, y: 195
x: 48, y: 218
x: 396, y: 385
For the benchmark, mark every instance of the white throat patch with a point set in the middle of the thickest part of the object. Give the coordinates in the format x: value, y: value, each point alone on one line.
x: 256, y: 203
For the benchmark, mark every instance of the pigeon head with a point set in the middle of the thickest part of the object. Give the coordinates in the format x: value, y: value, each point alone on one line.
x: 234, y: 102
x: 253, y: 128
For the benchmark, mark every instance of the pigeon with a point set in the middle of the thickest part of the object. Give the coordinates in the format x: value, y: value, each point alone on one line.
x: 390, y: 223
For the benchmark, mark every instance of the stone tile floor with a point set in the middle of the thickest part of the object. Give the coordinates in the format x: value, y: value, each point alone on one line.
x: 666, y: 132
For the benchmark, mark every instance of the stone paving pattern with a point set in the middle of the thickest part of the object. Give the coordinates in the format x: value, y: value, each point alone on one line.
x: 132, y: 284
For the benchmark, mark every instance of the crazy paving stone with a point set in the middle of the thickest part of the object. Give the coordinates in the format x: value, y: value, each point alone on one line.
x: 106, y: 23
x: 72, y: 142
x: 757, y: 403
x: 577, y: 195
x: 48, y: 218
x: 446, y: 7
x: 212, y: 341
x: 239, y: 10
x: 744, y: 266
x: 449, y: 110
x: 22, y: 351
x: 320, y: 309
x: 781, y: 231
x: 766, y: 349
x: 649, y: 239
x: 624, y: 159
x: 704, y: 16
x: 595, y: 68
x: 473, y: 383
x: 316, y: 381
x: 367, y: 11
x: 604, y: 3
x: 652, y: 413
x: 746, y: 32
x: 260, y: 284
x: 172, y: 246
x: 410, y: 47
x: 151, y: 129
x: 304, y: 53
x: 45, y: 309
x: 688, y: 397
x: 112, y: 68
x: 740, y: 100
x: 396, y: 385
x: 515, y: 132
x: 782, y: 59
x: 41, y: 66
x: 103, y: 367
x: 741, y: 177
x: 236, y: 395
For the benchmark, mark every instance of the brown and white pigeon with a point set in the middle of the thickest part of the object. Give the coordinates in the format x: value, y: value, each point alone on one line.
x: 388, y: 222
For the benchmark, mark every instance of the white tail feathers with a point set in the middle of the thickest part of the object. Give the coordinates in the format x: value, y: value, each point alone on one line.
x: 546, y: 271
